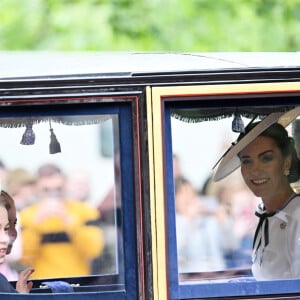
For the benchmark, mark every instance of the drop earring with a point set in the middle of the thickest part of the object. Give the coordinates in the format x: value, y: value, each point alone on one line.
x: 287, y: 172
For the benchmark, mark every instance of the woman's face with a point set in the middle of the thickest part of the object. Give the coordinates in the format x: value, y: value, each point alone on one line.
x: 4, y: 228
x: 263, y: 167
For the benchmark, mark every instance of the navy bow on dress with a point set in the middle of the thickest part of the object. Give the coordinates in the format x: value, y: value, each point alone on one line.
x: 263, y: 218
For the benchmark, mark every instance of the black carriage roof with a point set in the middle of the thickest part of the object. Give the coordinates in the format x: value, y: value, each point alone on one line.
x: 39, y: 75
x: 14, y: 65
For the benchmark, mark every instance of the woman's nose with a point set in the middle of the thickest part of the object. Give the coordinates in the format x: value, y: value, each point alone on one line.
x: 256, y: 167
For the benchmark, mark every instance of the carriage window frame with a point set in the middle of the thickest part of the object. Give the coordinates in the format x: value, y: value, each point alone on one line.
x: 124, y: 108
x: 165, y: 100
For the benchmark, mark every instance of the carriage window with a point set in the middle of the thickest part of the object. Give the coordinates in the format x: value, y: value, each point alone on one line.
x: 67, y: 193
x: 215, y: 220
x: 218, y: 214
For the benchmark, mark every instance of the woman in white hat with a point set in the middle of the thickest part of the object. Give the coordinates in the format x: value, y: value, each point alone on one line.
x: 269, y: 163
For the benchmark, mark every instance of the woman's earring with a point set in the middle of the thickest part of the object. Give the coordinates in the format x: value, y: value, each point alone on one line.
x: 287, y: 172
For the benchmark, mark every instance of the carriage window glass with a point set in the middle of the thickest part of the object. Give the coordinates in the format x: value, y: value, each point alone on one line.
x: 67, y: 194
x: 215, y: 221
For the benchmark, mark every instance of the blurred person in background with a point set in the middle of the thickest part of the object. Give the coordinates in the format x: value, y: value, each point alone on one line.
x: 78, y: 185
x: 62, y: 234
x: 3, y: 174
x: 176, y: 166
x: 197, y: 231
x: 226, y: 218
x: 237, y: 221
x: 21, y: 185
x: 244, y: 203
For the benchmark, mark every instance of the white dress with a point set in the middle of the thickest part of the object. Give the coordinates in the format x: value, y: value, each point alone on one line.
x: 280, y: 258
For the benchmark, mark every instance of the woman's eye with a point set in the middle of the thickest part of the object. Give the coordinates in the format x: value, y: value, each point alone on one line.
x: 267, y: 158
x: 245, y: 161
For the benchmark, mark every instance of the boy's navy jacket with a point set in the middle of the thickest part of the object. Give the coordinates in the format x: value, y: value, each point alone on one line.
x: 5, y: 286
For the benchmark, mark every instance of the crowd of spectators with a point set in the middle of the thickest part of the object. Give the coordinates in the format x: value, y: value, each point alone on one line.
x: 61, y: 233
x: 214, y: 225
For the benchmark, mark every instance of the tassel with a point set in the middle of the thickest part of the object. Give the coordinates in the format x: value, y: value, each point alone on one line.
x: 28, y: 137
x: 237, y: 123
x: 54, y: 144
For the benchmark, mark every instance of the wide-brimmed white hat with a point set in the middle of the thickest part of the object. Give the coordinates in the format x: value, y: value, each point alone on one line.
x: 230, y: 161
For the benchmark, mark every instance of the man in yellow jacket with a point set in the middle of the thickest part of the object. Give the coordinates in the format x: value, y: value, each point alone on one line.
x: 60, y: 236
